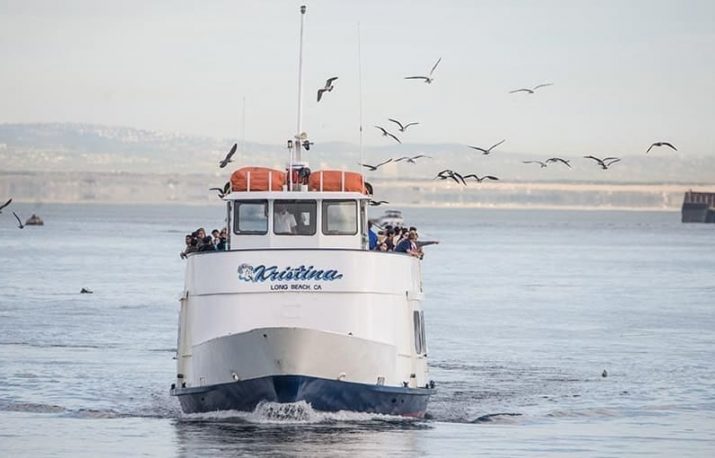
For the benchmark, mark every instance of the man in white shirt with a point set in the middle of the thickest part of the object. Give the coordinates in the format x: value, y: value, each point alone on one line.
x: 283, y: 221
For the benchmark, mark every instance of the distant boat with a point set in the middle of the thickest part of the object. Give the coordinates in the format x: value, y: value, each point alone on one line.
x: 34, y: 220
x: 391, y: 218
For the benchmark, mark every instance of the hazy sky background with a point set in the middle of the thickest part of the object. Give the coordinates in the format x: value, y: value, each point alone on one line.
x: 625, y: 73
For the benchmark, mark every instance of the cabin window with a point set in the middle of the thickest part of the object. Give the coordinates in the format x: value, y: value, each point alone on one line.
x: 419, y: 327
x: 339, y: 217
x: 294, y: 217
x: 250, y: 217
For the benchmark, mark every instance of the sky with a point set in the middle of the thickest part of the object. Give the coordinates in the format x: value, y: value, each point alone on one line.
x: 624, y: 73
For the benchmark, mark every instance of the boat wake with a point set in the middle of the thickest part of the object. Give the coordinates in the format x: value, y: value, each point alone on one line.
x: 293, y: 413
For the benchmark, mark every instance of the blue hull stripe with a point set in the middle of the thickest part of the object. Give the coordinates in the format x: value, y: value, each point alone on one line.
x: 321, y: 394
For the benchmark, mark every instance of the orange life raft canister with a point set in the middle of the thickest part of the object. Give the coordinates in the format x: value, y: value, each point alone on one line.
x: 257, y: 179
x: 332, y: 180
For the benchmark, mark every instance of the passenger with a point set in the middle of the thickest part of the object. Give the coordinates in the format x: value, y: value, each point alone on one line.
x: 396, y: 237
x: 200, y: 234
x: 413, y: 230
x: 215, y: 235
x: 187, y: 242
x: 283, y: 221
x: 389, y: 240
x: 207, y: 244
x: 409, y: 245
x: 222, y: 244
x: 193, y: 245
x: 372, y: 237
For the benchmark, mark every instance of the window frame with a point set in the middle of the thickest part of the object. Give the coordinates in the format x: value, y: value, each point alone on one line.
x: 236, y: 216
x: 295, y: 201
x: 324, y: 217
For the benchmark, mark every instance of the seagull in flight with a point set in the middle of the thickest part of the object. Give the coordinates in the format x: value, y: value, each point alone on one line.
x: 388, y: 134
x: 479, y: 180
x: 604, y: 163
x: 532, y: 90
x: 328, y: 87
x: 412, y: 159
x: 427, y: 79
x: 541, y: 164
x: 222, y: 192
x: 223, y: 163
x: 377, y: 203
x: 372, y: 168
x: 19, y: 223
x: 450, y: 174
x: 9, y: 201
x: 488, y: 150
x: 558, y: 159
x: 402, y: 127
x: 661, y: 144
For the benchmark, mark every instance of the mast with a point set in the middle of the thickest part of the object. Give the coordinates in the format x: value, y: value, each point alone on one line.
x: 299, y: 133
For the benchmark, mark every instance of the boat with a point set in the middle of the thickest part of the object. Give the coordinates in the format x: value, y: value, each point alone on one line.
x: 392, y: 218
x: 34, y: 220
x: 298, y: 308
x: 698, y: 207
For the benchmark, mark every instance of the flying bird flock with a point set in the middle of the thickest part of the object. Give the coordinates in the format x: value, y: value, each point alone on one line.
x: 447, y: 174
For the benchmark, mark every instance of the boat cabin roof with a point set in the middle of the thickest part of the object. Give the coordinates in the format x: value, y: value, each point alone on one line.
x: 295, y: 195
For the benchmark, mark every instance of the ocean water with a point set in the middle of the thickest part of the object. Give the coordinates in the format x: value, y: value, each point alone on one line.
x: 524, y: 311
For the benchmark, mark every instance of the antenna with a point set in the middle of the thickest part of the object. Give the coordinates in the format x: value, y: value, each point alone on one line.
x: 360, y: 86
x: 300, y: 87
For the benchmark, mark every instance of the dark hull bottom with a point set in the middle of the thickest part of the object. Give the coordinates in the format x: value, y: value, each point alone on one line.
x: 321, y: 394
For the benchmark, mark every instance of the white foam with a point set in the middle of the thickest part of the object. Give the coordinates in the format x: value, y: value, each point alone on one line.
x: 292, y: 413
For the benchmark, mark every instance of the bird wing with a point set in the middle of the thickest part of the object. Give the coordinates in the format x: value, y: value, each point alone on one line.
x: 9, y: 201
x: 496, y: 144
x: 435, y: 66
x: 410, y: 124
x: 534, y: 162
x: 320, y: 94
x: 396, y: 139
x: 416, y: 78
x: 669, y: 145
x: 611, y: 161
x: 595, y: 159
x: 471, y: 175
x: 384, y: 132
x: 421, y: 156
x: 233, y: 151
x: 456, y: 176
x: 329, y: 82
x: 490, y: 177
x: 650, y: 148
x: 216, y: 189
x: 401, y: 158
x: 18, y: 219
x: 383, y: 163
x: 227, y: 187
x: 368, y: 166
x: 521, y: 90
x: 542, y: 85
x: 478, y: 149
x: 397, y: 122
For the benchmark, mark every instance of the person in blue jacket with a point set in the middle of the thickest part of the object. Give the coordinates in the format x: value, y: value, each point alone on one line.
x: 371, y: 236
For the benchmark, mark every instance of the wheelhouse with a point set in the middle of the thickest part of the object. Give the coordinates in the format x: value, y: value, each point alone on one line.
x: 298, y: 219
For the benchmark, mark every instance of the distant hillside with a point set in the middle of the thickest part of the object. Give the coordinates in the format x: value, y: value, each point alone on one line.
x: 94, y: 148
